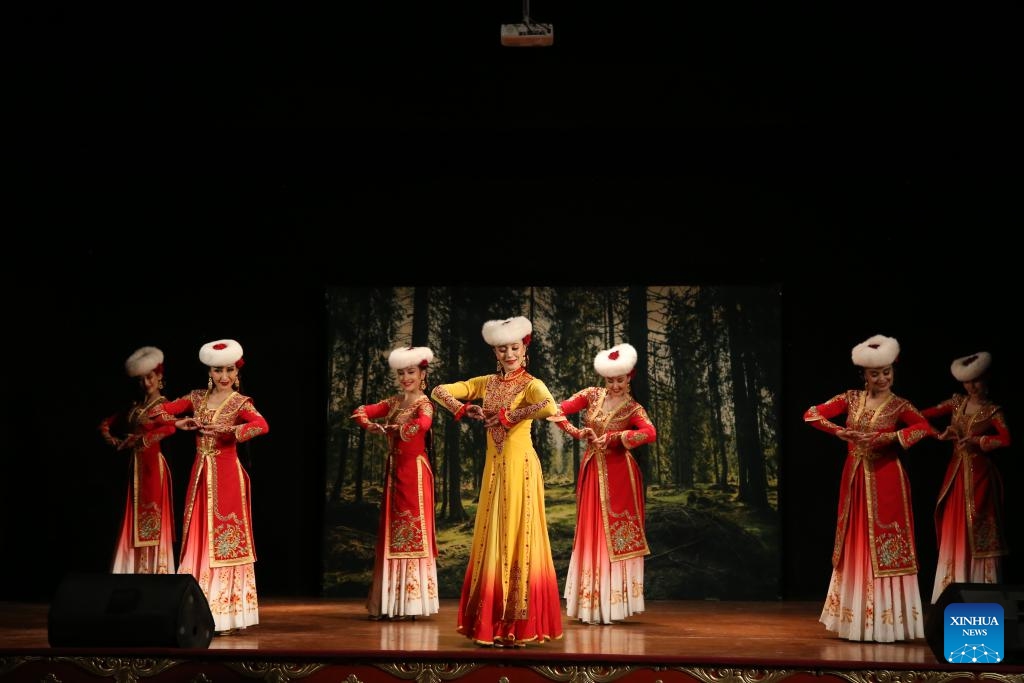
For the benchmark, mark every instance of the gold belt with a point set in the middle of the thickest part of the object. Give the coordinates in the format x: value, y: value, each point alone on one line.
x: 865, y: 454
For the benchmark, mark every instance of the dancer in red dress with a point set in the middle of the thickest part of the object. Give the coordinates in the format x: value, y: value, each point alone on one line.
x: 605, y: 581
x: 874, y: 592
x: 969, y: 511
x: 146, y: 542
x: 405, y: 567
x: 217, y: 541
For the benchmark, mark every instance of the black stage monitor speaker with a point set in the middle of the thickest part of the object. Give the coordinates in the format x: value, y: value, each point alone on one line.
x: 130, y: 610
x: 1010, y: 597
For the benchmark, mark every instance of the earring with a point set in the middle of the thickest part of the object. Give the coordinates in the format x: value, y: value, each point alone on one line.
x: 526, y: 360
x: 235, y: 385
x: 500, y: 371
x: 160, y: 384
x: 423, y: 384
x: 209, y: 383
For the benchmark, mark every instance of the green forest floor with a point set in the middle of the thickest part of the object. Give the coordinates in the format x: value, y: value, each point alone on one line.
x: 704, y: 545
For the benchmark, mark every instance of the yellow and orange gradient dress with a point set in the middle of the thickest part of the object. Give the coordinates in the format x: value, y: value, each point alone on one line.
x: 510, y: 591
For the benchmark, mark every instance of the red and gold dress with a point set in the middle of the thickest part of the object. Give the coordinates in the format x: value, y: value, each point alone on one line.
x: 605, y: 581
x: 510, y: 592
x: 145, y: 544
x: 405, y: 566
x: 969, y: 510
x: 874, y: 592
x: 217, y: 543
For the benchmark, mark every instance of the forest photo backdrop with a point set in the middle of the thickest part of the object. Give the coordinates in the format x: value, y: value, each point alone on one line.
x: 708, y: 373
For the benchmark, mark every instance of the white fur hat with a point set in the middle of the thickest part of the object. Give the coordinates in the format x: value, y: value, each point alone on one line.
x: 145, y: 360
x: 507, y: 331
x: 616, y: 361
x: 970, y: 368
x: 221, y: 353
x: 409, y: 356
x: 876, y: 352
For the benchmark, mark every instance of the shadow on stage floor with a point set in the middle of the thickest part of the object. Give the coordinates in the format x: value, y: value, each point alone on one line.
x: 324, y: 640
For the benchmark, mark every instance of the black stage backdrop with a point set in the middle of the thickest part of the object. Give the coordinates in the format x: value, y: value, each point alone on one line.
x: 109, y: 263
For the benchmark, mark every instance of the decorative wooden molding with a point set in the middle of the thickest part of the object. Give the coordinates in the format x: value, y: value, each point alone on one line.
x: 122, y: 669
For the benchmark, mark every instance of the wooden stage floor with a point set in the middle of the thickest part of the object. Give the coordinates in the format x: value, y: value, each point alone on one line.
x: 672, y: 640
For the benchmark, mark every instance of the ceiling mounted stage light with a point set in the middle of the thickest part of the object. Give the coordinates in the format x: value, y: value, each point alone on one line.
x: 527, y: 33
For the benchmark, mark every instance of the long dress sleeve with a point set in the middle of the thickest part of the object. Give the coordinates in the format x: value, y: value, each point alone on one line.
x: 109, y: 427
x: 940, y: 410
x: 819, y: 416
x: 1001, y: 438
x: 537, y: 404
x: 456, y: 397
x: 168, y: 411
x: 574, y: 404
x: 365, y: 415
x: 154, y: 432
x: 917, y: 427
x: 641, y: 430
x: 418, y: 425
x: 253, y: 423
